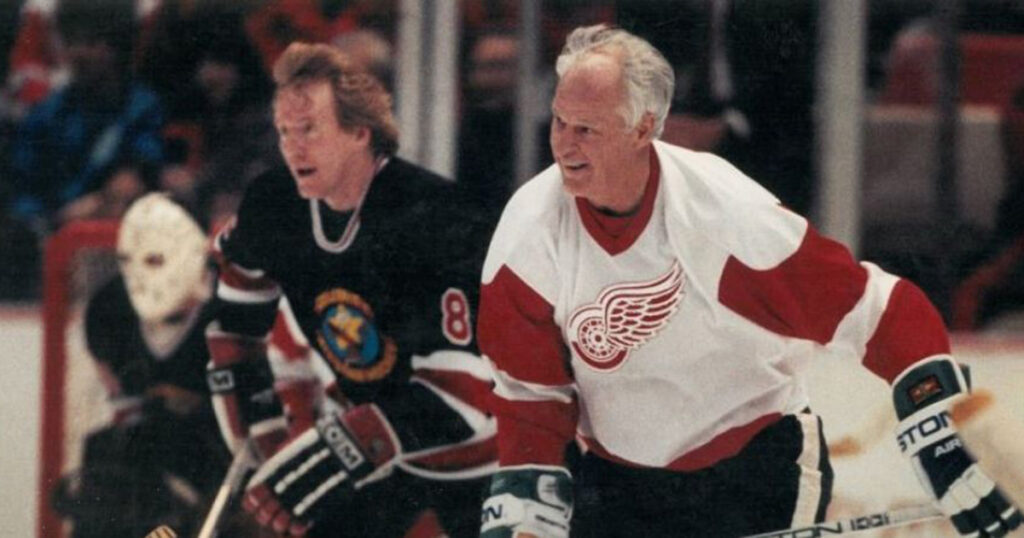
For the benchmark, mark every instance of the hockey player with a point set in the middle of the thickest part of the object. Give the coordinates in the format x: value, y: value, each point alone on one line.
x: 382, y: 275
x: 659, y: 306
x: 145, y: 330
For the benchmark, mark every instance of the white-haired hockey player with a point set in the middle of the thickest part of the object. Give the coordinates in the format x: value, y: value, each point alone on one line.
x: 381, y: 269
x: 658, y: 306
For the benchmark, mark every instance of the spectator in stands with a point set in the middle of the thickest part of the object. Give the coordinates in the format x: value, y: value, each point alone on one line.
x: 486, y: 159
x: 166, y: 62
x: 35, y: 60
x: 37, y: 63
x: 277, y: 23
x: 238, y: 140
x: 70, y: 143
x: 127, y: 182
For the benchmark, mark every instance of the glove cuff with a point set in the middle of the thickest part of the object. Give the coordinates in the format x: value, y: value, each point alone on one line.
x: 363, y: 441
x: 373, y: 432
x: 268, y: 435
x: 530, y: 499
x: 928, y: 381
x: 227, y: 349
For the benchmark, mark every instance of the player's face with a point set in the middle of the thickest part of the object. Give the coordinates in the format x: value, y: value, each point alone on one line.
x: 319, y: 152
x: 590, y: 140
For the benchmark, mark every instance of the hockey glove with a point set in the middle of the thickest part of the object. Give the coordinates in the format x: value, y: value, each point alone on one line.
x: 321, y: 468
x: 528, y: 500
x: 242, y: 388
x: 927, y: 437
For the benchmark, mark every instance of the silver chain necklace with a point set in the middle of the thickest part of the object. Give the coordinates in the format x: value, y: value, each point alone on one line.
x: 351, y: 228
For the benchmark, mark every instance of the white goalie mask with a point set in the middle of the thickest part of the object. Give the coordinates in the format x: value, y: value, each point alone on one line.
x: 162, y: 253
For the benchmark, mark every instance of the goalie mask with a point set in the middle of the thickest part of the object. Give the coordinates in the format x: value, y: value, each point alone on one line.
x: 162, y: 254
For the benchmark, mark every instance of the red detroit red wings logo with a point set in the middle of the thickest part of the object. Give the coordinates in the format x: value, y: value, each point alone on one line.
x: 624, y: 317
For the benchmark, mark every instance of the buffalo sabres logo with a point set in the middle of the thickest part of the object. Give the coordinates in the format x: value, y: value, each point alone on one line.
x: 624, y: 317
x: 349, y: 339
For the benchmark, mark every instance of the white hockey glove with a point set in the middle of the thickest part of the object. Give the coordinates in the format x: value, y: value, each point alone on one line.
x: 927, y: 437
x: 242, y: 389
x: 528, y: 499
x: 324, y: 466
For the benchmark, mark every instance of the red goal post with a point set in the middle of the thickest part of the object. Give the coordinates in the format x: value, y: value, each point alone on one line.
x: 61, y: 255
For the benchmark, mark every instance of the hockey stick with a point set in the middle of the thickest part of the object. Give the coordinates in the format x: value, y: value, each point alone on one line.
x: 891, y: 518
x: 243, y: 461
x: 233, y: 478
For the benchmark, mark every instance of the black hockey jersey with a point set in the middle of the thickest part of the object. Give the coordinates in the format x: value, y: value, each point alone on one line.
x: 151, y: 435
x: 385, y: 295
x: 114, y: 337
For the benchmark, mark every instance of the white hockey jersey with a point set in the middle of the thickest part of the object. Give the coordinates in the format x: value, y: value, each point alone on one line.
x: 671, y: 337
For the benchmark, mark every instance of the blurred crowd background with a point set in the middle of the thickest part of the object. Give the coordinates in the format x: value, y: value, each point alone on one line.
x: 104, y: 100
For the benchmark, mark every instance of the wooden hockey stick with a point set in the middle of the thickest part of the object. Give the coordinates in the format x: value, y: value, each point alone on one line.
x: 234, y: 479
x: 994, y: 437
x: 891, y: 518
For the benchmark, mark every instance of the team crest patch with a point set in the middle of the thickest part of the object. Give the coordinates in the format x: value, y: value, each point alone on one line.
x: 624, y: 317
x: 349, y: 340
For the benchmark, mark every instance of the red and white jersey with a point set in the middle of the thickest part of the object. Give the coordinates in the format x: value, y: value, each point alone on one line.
x: 670, y: 338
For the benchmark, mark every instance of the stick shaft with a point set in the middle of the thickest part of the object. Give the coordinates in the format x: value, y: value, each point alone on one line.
x: 892, y: 518
x: 243, y: 461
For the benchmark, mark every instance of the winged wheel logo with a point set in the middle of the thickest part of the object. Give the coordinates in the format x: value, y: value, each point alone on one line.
x: 624, y: 317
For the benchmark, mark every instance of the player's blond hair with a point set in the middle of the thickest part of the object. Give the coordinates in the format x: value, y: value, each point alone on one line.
x: 647, y: 75
x: 359, y: 98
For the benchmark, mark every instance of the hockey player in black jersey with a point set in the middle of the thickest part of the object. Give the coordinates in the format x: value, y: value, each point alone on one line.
x: 380, y: 264
x: 161, y: 456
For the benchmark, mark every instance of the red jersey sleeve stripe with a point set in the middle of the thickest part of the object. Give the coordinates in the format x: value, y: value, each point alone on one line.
x: 282, y: 338
x: 460, y: 385
x: 517, y: 331
x: 236, y: 277
x: 533, y: 432
x: 233, y: 276
x: 458, y: 457
x: 910, y: 329
x: 806, y: 296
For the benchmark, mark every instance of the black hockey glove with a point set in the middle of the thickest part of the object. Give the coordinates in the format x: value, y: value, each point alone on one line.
x: 927, y: 437
x: 320, y: 468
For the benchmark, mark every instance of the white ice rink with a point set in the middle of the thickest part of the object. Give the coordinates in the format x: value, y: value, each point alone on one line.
x: 20, y: 352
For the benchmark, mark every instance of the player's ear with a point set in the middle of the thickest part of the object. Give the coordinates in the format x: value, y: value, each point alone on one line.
x: 644, y: 129
x: 363, y: 134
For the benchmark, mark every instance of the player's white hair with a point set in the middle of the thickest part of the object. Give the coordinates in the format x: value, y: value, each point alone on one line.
x: 649, y: 79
